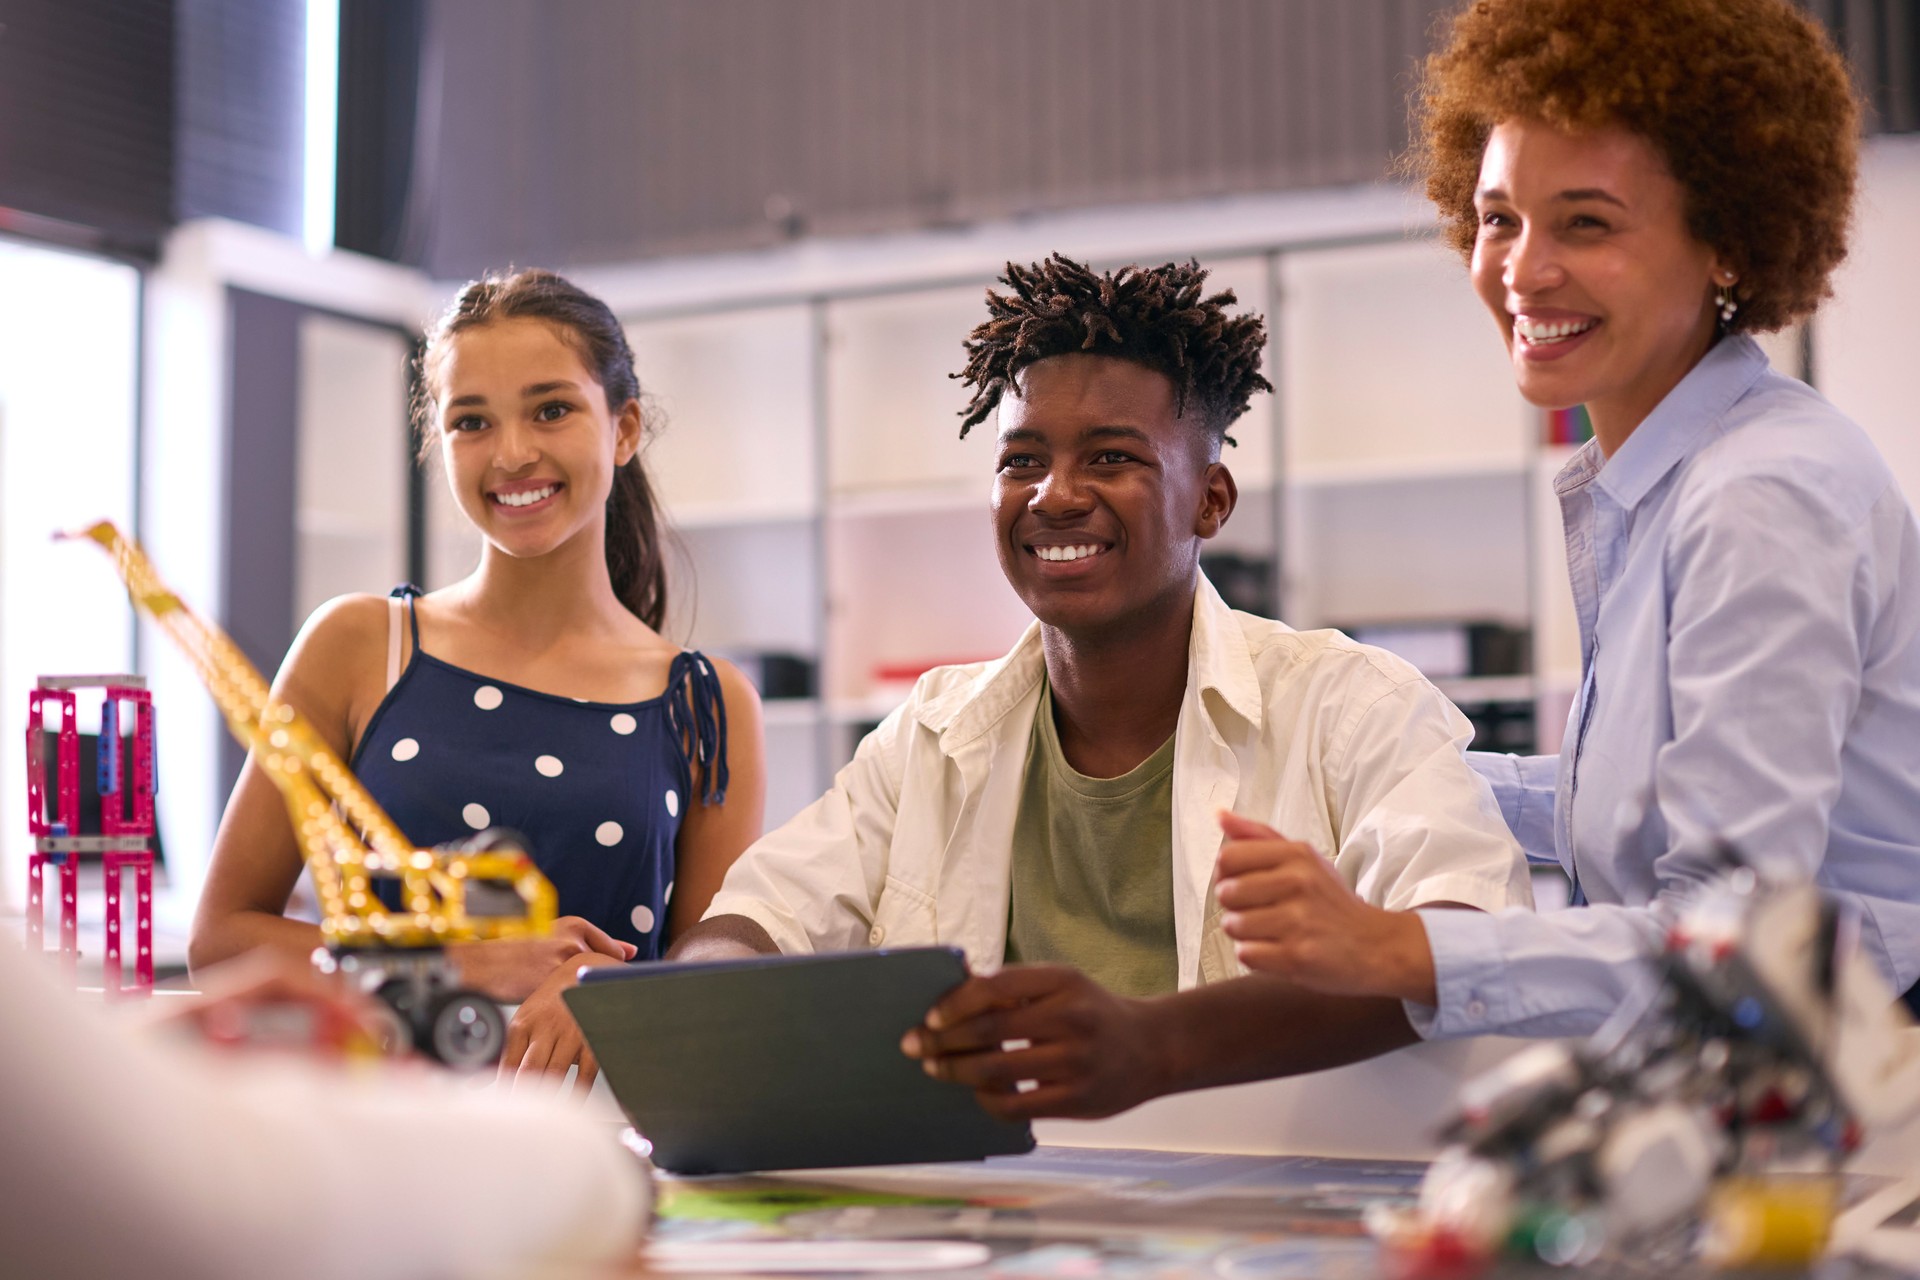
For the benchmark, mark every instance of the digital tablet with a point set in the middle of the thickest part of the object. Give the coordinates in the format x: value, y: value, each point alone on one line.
x: 784, y: 1062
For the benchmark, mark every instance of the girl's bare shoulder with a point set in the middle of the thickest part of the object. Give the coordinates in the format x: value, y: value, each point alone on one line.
x: 344, y: 628
x: 337, y: 662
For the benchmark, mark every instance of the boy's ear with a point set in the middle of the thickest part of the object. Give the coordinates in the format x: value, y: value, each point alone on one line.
x: 1218, y: 497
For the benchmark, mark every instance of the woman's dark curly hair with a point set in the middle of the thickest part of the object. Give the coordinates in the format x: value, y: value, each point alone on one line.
x: 1155, y: 316
x: 1745, y: 100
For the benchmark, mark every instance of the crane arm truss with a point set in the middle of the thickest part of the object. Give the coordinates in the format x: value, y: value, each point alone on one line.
x: 344, y: 835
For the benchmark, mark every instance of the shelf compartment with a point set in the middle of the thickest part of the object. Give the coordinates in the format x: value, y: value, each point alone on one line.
x: 1386, y: 352
x: 732, y: 397
x: 913, y: 588
x: 1451, y: 548
x: 1410, y: 470
x: 892, y: 409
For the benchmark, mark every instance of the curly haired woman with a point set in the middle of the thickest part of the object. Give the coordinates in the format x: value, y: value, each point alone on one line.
x: 1638, y: 185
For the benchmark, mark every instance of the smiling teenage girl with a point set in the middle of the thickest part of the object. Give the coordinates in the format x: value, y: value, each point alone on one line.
x: 1638, y: 185
x: 537, y: 692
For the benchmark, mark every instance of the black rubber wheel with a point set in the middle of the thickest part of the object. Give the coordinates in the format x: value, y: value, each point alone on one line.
x: 394, y: 1031
x: 463, y: 1030
x: 398, y: 997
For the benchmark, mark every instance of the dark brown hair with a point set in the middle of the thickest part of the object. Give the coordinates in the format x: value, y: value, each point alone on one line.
x: 1155, y: 316
x: 633, y: 539
x: 1745, y: 100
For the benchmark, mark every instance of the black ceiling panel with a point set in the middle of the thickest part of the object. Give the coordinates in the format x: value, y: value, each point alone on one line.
x: 87, y: 120
x: 601, y: 130
x: 240, y: 145
x: 478, y: 132
x: 1881, y: 38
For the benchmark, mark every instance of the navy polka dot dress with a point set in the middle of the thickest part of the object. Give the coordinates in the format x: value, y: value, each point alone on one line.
x: 597, y: 788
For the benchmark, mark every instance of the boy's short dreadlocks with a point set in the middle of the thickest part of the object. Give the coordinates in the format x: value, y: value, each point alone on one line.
x: 1153, y: 316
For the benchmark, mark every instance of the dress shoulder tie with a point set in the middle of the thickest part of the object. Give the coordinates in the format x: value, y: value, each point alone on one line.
x: 697, y: 714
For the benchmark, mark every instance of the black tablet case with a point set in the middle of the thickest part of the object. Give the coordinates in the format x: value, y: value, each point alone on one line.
x: 784, y: 1062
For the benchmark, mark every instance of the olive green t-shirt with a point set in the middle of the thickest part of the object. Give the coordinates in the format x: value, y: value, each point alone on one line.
x: 1093, y: 867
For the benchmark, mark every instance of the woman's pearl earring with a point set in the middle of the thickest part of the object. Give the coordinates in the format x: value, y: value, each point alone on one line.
x: 1727, y: 303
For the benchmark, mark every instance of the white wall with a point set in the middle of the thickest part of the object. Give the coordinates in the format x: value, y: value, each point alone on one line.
x: 68, y: 343
x: 1866, y: 341
x: 183, y: 501
x: 351, y: 517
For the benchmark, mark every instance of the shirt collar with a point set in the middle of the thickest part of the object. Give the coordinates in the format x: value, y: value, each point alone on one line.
x: 1217, y: 660
x: 1682, y: 422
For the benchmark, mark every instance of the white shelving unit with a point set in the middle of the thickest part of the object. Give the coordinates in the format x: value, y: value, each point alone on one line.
x: 732, y: 395
x: 350, y: 520
x: 811, y: 464
x: 1409, y: 461
x: 893, y: 425
x: 1392, y: 367
x: 1361, y: 472
x: 912, y: 575
x: 813, y: 467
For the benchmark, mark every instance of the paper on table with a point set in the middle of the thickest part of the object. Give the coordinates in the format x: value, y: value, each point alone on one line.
x: 794, y: 1257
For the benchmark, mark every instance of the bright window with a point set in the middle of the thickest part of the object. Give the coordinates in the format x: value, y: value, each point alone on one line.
x: 69, y: 333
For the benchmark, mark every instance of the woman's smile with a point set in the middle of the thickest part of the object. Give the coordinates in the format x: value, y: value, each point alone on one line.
x: 1584, y: 256
x: 1546, y: 336
x: 524, y: 497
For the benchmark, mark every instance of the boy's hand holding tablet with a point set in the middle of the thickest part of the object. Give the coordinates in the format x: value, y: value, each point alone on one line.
x: 1041, y: 1040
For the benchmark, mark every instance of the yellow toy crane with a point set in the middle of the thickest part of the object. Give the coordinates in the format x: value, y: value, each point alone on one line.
x: 485, y: 888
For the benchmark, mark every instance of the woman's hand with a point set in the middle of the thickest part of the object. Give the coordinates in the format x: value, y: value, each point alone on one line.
x: 1290, y: 914
x: 543, y: 1038
x: 511, y: 970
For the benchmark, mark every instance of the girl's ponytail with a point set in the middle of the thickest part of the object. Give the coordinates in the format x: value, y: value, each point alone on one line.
x: 635, y: 559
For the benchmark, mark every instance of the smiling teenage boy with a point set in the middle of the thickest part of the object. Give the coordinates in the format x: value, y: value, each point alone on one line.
x: 1058, y: 813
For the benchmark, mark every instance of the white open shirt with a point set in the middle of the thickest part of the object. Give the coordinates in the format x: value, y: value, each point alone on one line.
x: 1334, y: 743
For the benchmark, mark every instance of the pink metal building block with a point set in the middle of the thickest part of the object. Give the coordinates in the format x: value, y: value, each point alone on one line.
x: 125, y: 839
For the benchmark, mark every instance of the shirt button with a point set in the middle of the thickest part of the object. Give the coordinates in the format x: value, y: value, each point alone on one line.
x: 1476, y: 1009
x: 876, y: 936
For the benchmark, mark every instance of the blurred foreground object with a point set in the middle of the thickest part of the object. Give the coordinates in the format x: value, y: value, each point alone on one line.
x: 125, y: 838
x: 264, y: 1002
x: 1884, y: 1228
x: 1769, y: 1043
x: 130, y: 1157
x: 486, y: 888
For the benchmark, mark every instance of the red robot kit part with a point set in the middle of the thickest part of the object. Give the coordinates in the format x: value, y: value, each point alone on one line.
x: 125, y: 838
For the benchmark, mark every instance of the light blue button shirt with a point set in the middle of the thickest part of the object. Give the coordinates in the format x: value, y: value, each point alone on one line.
x: 1746, y: 575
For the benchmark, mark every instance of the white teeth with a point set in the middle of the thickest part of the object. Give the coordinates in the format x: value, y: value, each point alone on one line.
x: 526, y: 499
x: 1065, y: 553
x: 1540, y: 332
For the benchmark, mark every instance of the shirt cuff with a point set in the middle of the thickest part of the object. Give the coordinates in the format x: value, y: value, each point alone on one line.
x: 1469, y: 974
x: 1539, y: 791
x: 785, y: 933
